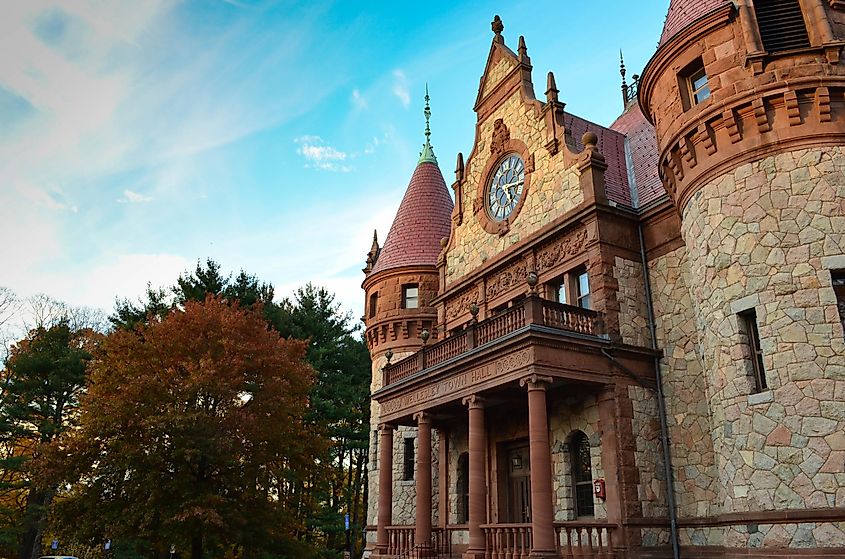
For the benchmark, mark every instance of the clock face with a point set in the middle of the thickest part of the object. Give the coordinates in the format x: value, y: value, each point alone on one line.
x: 505, y: 187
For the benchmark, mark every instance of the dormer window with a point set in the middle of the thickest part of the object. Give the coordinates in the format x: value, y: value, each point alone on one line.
x: 782, y: 26
x: 410, y: 296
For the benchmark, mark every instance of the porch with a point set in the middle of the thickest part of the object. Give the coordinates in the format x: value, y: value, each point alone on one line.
x: 587, y: 540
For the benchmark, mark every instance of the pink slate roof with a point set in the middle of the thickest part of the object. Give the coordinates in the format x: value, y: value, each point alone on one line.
x: 642, y: 142
x: 424, y: 217
x: 684, y: 12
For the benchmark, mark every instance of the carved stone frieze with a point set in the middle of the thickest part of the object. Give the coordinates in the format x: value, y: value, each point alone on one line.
x: 507, y: 279
x: 459, y: 304
x: 560, y: 250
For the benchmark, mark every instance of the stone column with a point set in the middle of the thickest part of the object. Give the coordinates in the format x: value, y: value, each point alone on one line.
x: 477, y: 477
x: 385, y: 486
x: 542, y: 508
x: 422, y: 537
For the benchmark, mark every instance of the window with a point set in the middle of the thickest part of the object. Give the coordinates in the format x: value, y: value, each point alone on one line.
x: 781, y: 25
x: 694, y: 84
x: 557, y: 290
x: 410, y: 296
x: 408, y: 461
x: 582, y: 475
x: 583, y: 298
x: 463, y: 488
x: 752, y: 334
x: 839, y: 288
x: 373, y: 304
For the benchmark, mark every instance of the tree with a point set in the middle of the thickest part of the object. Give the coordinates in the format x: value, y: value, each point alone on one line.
x: 339, y: 404
x: 44, y: 377
x: 192, y: 432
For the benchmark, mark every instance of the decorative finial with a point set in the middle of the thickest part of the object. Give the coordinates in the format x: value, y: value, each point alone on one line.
x: 427, y: 153
x: 590, y: 140
x: 459, y: 168
x: 497, y: 25
x: 626, y: 93
x: 522, y: 50
x: 551, y: 89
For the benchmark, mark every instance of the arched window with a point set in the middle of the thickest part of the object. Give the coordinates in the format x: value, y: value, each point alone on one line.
x: 462, y: 489
x: 582, y: 474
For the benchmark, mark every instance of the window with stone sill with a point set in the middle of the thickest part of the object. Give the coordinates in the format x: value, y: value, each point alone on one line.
x: 408, y: 460
x: 373, y: 304
x: 573, y: 286
x: 694, y: 84
x: 838, y: 277
x: 582, y: 474
x: 751, y: 335
x: 410, y: 296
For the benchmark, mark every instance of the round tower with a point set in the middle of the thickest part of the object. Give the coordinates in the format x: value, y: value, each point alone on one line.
x: 748, y: 102
x: 401, y: 281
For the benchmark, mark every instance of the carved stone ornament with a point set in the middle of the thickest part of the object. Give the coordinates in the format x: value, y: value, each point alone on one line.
x: 461, y: 304
x: 560, y: 250
x: 512, y: 276
x: 501, y: 136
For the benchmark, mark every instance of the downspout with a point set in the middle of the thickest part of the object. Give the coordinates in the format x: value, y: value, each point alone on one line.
x: 661, y: 405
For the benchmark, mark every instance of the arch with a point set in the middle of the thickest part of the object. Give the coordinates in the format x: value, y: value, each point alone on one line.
x: 581, y: 465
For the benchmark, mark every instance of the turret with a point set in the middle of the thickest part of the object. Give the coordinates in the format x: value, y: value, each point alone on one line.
x: 402, y: 277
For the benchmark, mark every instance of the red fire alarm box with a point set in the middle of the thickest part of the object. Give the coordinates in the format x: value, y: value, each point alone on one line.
x: 599, y: 489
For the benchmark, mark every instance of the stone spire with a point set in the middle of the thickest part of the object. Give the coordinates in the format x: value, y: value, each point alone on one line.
x: 427, y: 153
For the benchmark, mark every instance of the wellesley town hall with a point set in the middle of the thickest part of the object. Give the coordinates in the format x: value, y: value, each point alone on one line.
x: 624, y: 342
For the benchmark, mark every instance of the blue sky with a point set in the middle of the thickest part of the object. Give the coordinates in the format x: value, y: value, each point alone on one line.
x: 140, y: 136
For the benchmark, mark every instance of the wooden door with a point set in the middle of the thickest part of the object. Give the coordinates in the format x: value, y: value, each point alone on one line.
x: 519, y: 485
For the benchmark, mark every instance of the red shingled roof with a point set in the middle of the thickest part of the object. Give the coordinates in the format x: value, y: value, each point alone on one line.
x: 424, y: 217
x: 642, y: 143
x: 612, y: 146
x: 683, y: 12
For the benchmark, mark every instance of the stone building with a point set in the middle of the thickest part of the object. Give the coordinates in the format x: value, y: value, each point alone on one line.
x: 625, y: 341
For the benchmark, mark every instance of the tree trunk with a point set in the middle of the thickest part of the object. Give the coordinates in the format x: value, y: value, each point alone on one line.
x: 196, y: 546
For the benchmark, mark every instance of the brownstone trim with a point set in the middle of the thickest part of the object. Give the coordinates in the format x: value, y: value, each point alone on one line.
x: 668, y: 53
x: 789, y: 516
x: 661, y: 230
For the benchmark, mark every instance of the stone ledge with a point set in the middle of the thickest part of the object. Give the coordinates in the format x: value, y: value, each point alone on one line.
x: 834, y: 262
x: 745, y: 303
x: 761, y: 398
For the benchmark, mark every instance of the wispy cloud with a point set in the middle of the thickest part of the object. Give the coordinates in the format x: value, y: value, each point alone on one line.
x: 400, y: 88
x: 358, y: 100
x: 318, y: 155
x: 132, y: 197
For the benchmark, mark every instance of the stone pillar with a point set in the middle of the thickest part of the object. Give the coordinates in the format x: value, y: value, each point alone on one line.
x: 422, y: 537
x: 385, y: 486
x: 477, y: 477
x: 542, y: 507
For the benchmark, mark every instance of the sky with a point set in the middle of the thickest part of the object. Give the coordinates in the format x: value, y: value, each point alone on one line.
x: 138, y: 137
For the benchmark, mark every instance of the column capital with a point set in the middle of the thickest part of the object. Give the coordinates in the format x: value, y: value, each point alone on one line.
x: 422, y: 417
x: 535, y: 382
x: 473, y: 402
x: 386, y: 427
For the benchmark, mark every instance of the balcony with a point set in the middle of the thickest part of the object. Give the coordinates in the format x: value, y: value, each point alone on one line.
x: 530, y: 311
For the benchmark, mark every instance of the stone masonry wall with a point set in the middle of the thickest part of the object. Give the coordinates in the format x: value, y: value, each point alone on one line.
x: 554, y: 189
x: 633, y: 312
x: 567, y: 415
x: 687, y: 399
x: 758, y: 238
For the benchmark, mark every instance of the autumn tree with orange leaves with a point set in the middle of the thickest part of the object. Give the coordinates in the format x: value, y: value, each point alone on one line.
x: 191, y: 434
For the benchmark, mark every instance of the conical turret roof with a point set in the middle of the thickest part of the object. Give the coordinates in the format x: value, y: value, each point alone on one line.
x: 424, y: 216
x: 684, y: 12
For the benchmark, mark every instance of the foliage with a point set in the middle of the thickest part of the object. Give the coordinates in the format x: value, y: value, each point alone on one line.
x: 192, y: 432
x: 339, y: 410
x: 44, y: 377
